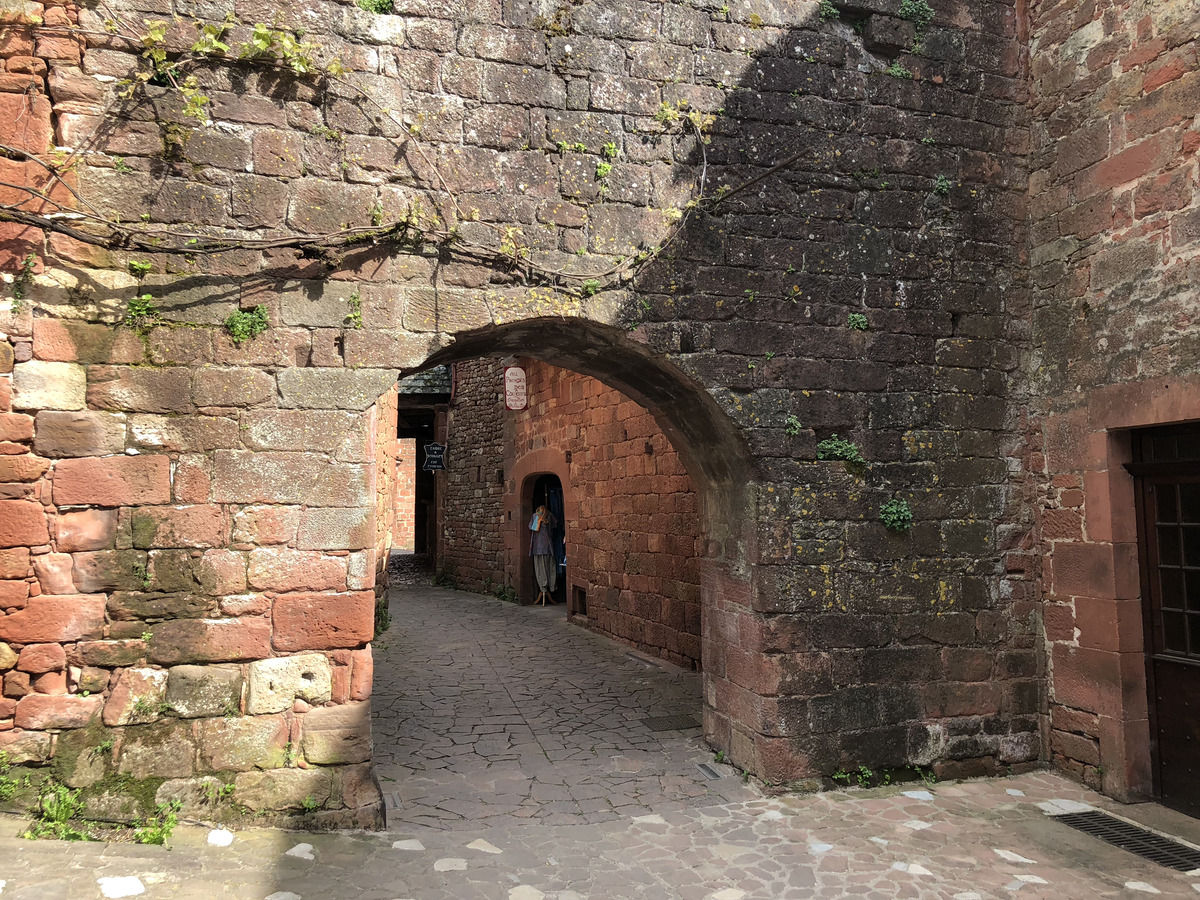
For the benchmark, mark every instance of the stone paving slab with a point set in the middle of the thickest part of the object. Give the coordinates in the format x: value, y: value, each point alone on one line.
x: 981, y: 840
x: 484, y: 711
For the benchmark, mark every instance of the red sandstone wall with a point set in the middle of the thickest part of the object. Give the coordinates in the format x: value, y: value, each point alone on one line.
x: 632, y: 515
x: 404, y: 529
x: 386, y: 450
x: 1116, y: 251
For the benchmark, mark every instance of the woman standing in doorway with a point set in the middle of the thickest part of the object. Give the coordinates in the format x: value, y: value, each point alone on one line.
x: 545, y: 567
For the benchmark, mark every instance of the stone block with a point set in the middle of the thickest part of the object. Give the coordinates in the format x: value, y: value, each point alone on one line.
x: 39, y: 712
x: 244, y: 743
x: 130, y: 606
x: 183, y: 434
x: 333, y: 388
x: 232, y: 387
x: 283, y: 788
x: 362, y: 674
x: 89, y: 529
x: 165, y: 749
x: 210, y: 640
x: 266, y: 525
x: 14, y: 562
x: 323, y: 621
x: 14, y: 594
x: 222, y: 572
x: 37, y: 659
x: 317, y: 431
x: 335, y: 529
x: 336, y: 735
x: 140, y: 389
x: 65, y: 434
x: 54, y: 619
x: 22, y: 469
x: 8, y: 657
x: 136, y: 698
x: 23, y: 524
x: 38, y: 384
x: 113, y: 481
x: 110, y: 653
x: 202, y: 691
x: 274, y: 684
x: 241, y: 476
x: 107, y: 570
x: 180, y: 526
x: 16, y: 426
x: 282, y: 569
x: 25, y: 746
x: 53, y: 572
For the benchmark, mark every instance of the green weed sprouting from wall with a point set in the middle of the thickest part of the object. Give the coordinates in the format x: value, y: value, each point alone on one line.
x: 835, y: 448
x: 379, y: 7
x: 246, y: 324
x: 856, y: 322
x: 827, y: 10
x: 896, y: 515
x: 942, y: 185
x: 919, y: 12
x: 792, y: 426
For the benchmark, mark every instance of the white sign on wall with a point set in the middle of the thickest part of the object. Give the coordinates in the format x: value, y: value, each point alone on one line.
x: 516, y: 394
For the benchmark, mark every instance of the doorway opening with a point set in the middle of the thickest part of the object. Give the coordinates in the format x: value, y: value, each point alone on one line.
x: 1166, y: 462
x: 546, y: 489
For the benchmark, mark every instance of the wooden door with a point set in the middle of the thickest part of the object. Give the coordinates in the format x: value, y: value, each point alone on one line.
x: 1167, y: 463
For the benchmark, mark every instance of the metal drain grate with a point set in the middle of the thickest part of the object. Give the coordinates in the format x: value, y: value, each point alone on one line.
x: 670, y: 723
x: 1127, y: 836
x: 709, y: 772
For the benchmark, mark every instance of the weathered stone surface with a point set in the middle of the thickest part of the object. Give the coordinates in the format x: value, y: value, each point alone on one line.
x: 180, y: 526
x: 48, y: 385
x: 335, y: 529
x: 333, y: 388
x: 243, y: 743
x: 125, y: 606
x: 108, y: 570
x: 89, y: 529
x: 232, y: 387
x: 185, y: 434
x: 25, y: 746
x: 54, y: 619
x: 307, y: 621
x: 165, y: 749
x: 136, y: 389
x: 137, y: 697
x: 22, y: 524
x: 210, y: 640
x: 66, y: 434
x: 266, y: 525
x: 248, y: 477
x: 40, y: 711
x: 283, y: 788
x: 39, y: 658
x: 53, y: 572
x: 111, y: 653
x: 282, y: 569
x: 8, y: 657
x: 14, y: 562
x: 274, y: 684
x: 22, y: 468
x: 337, y: 734
x: 202, y: 691
x: 321, y: 431
x: 113, y: 481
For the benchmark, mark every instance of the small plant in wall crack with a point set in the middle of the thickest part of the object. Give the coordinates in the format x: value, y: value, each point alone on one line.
x: 856, y: 322
x: 896, y: 70
x: 835, y: 448
x: 792, y: 427
x: 942, y: 185
x: 141, y: 314
x: 827, y: 10
x: 896, y: 515
x: 354, y: 318
x: 246, y: 324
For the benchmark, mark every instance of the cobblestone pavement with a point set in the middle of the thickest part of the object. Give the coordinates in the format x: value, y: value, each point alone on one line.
x: 485, y: 711
x: 984, y: 840
x: 500, y: 813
